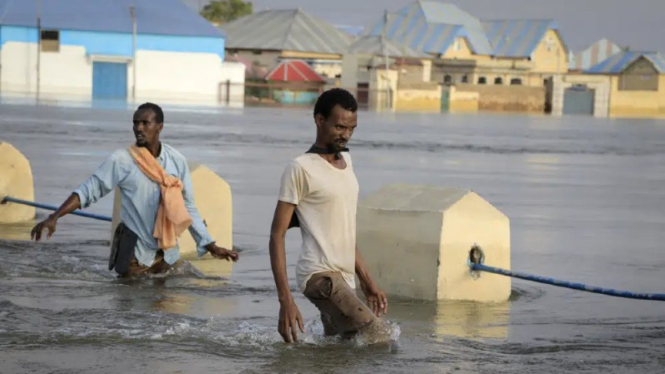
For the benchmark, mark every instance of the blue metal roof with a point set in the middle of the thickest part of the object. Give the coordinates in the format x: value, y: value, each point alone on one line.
x: 161, y: 17
x: 431, y: 27
x: 593, y: 55
x: 517, y: 38
x: 617, y: 63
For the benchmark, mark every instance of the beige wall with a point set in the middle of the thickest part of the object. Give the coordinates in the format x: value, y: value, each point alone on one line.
x: 637, y: 103
x: 550, y: 56
x: 463, y: 101
x: 508, y: 98
x: 420, y: 97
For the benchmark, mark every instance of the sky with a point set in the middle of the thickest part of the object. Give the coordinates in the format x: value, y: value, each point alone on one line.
x: 638, y: 24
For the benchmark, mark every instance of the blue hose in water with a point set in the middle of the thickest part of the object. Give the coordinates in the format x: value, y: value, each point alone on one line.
x: 54, y: 208
x: 574, y: 286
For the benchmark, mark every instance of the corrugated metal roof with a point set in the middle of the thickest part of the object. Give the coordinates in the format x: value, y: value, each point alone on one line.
x: 618, y: 62
x: 294, y: 71
x: 431, y: 27
x: 593, y: 55
x: 437, y: 12
x: 517, y: 38
x: 379, y: 45
x: 285, y: 30
x: 162, y: 17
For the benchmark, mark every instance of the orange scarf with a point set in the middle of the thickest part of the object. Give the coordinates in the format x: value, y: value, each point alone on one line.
x: 172, y: 215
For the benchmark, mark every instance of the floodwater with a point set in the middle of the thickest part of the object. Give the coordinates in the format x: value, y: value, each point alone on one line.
x: 585, y: 198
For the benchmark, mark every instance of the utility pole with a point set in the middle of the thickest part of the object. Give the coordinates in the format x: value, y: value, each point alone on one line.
x: 39, y: 47
x: 384, y: 41
x: 132, y: 13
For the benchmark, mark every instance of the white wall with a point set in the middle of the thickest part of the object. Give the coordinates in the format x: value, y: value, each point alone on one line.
x: 66, y: 72
x: 234, y: 73
x: 160, y: 76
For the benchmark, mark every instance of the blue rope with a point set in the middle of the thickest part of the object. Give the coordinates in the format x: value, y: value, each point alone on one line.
x: 54, y: 208
x: 574, y: 286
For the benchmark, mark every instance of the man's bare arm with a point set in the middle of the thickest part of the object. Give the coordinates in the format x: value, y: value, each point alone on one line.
x: 289, y: 315
x: 376, y: 299
x: 72, y: 203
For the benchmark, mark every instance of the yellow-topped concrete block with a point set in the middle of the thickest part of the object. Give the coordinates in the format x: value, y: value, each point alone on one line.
x: 212, y: 197
x: 416, y: 240
x: 15, y: 181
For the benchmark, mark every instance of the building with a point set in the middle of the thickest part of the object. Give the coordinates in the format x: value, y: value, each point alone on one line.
x: 468, y: 51
x: 266, y: 38
x: 534, y: 48
x: 87, y: 49
x: 593, y: 55
x: 369, y: 53
x: 637, y: 83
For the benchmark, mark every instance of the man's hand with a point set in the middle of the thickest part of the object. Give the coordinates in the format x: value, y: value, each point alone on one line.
x: 289, y: 318
x: 48, y: 224
x: 222, y: 253
x: 376, y: 299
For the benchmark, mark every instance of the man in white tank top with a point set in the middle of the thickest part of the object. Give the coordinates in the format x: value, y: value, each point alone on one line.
x: 319, y: 193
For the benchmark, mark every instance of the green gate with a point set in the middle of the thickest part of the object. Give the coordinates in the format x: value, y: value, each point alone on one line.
x: 445, y: 100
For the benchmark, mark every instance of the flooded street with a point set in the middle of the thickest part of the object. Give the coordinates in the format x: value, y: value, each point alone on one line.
x: 584, y: 196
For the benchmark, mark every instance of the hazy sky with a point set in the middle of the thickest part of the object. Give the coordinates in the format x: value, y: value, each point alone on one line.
x: 639, y: 24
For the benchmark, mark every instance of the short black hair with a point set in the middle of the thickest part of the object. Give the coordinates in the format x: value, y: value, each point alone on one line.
x: 335, y: 96
x: 159, y: 114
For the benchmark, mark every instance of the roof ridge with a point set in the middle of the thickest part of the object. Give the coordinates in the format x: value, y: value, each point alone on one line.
x: 287, y: 34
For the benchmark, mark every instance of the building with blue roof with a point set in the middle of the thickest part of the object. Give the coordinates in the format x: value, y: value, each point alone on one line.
x: 468, y: 50
x: 120, y: 49
x: 637, y: 83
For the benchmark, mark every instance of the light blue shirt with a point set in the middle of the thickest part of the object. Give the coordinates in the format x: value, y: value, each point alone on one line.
x: 140, y: 199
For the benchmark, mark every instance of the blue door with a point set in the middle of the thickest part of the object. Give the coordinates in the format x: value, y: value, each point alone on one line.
x: 578, y: 100
x: 109, y: 80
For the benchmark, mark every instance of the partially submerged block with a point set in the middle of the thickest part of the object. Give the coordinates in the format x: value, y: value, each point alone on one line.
x: 15, y: 181
x: 416, y: 240
x: 212, y: 196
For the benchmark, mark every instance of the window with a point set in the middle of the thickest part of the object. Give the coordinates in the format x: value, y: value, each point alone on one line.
x: 465, y: 79
x: 482, y: 80
x: 447, y: 79
x: 498, y: 80
x: 50, y: 40
x: 515, y: 81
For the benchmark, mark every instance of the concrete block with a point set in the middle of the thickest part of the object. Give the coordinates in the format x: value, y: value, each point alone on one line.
x: 212, y: 196
x: 15, y: 181
x: 416, y: 241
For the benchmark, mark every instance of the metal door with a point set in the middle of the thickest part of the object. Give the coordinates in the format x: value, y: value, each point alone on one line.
x: 578, y: 100
x: 109, y: 80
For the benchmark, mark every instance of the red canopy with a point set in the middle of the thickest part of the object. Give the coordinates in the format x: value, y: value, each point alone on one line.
x: 294, y: 71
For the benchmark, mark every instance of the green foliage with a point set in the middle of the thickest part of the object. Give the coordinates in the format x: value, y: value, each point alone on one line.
x: 219, y: 12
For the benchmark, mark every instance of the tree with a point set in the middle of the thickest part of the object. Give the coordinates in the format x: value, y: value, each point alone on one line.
x: 223, y: 11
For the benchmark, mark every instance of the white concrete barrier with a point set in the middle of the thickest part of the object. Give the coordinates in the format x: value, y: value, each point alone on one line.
x: 416, y: 240
x: 15, y: 181
x: 212, y: 196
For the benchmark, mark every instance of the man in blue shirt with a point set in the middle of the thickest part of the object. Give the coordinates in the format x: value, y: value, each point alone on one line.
x: 140, y: 200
